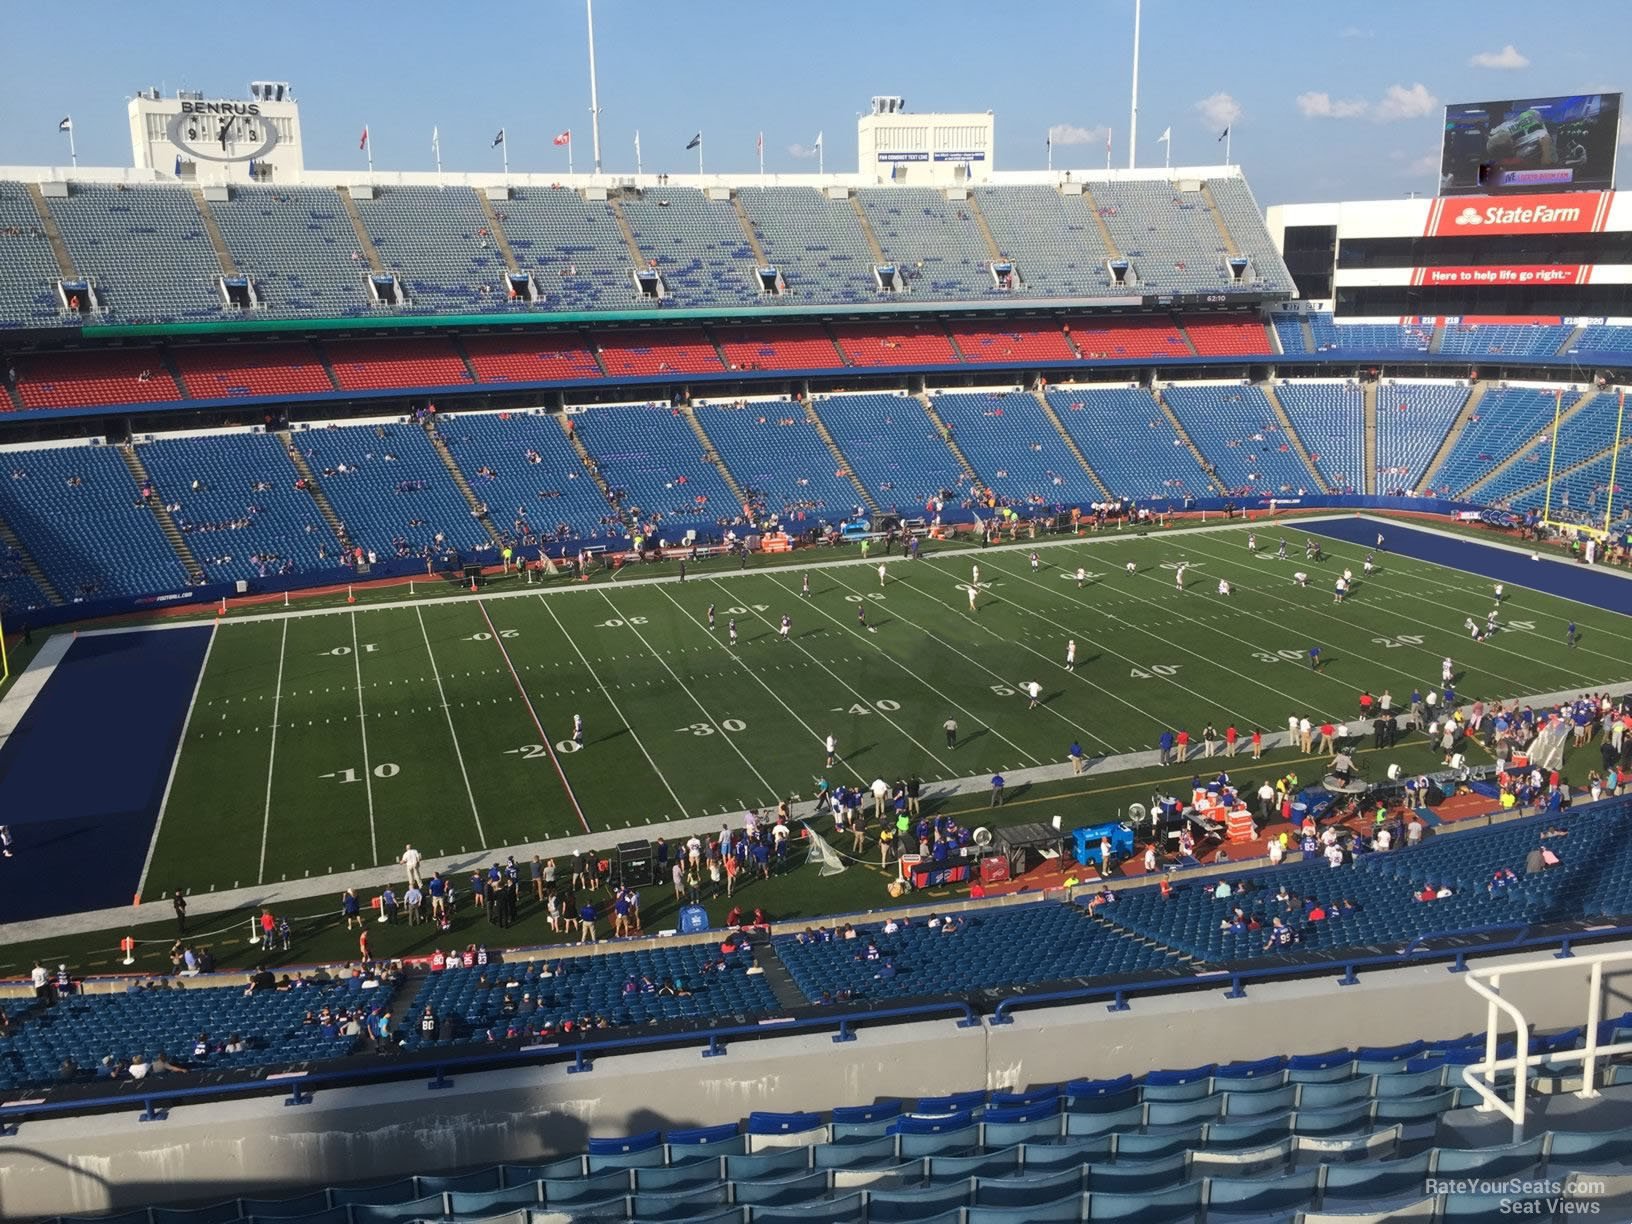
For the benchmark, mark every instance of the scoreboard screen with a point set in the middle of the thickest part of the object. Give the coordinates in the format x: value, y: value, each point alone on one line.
x: 1530, y: 145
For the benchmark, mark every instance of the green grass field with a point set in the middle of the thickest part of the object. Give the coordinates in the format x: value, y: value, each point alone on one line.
x: 324, y: 741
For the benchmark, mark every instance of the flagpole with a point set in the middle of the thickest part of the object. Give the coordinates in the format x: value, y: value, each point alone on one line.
x: 73, y: 153
x: 1049, y: 143
x: 1107, y: 148
x: 569, y: 150
x: 1229, y: 135
x: 762, y: 159
x: 368, y: 146
x: 594, y: 97
x: 436, y: 147
x: 1133, y: 110
x: 637, y: 153
x: 699, y: 155
x: 821, y: 152
x: 504, y: 152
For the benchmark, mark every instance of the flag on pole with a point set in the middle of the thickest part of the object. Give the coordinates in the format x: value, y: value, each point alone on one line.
x: 818, y: 140
x: 1166, y: 137
x: 760, y: 144
x: 565, y: 138
x: 1223, y: 134
x: 363, y: 142
x: 695, y: 141
x: 67, y: 124
x: 498, y: 140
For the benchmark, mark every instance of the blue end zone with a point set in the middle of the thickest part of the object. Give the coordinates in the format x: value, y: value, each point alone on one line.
x: 82, y: 776
x: 1567, y: 579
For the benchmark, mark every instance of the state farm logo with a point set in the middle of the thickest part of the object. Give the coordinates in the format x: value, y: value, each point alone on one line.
x: 1539, y: 215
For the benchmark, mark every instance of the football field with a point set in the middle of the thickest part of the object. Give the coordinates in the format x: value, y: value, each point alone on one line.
x: 325, y: 741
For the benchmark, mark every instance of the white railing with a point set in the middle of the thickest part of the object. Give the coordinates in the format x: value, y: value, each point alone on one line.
x: 1482, y: 1076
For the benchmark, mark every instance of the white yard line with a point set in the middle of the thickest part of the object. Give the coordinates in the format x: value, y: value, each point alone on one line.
x: 594, y: 675
x: 979, y: 666
x: 854, y: 692
x: 272, y: 756
x: 1460, y: 637
x: 1086, y: 633
x: 721, y: 731
x: 442, y: 696
x: 757, y: 678
x: 362, y: 726
x: 175, y: 762
x: 543, y: 735
x: 591, y: 588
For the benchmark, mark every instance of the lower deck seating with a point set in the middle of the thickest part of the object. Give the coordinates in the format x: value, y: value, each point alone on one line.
x: 68, y: 1042
x: 1014, y: 447
x: 894, y: 448
x: 655, y: 465
x: 1412, y: 421
x: 1125, y: 437
x: 780, y: 461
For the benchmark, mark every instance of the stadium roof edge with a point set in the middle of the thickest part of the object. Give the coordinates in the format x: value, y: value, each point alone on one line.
x: 480, y: 180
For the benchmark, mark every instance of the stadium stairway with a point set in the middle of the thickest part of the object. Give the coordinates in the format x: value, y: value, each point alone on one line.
x: 1099, y: 219
x: 365, y: 244
x: 1291, y: 435
x: 748, y: 233
x: 31, y: 567
x: 161, y: 512
x: 1230, y: 249
x: 1183, y: 435
x: 879, y: 257
x: 1569, y: 343
x: 324, y: 506
x: 844, y: 463
x: 941, y: 427
x: 1448, y: 443
x: 213, y: 232
x: 1368, y: 395
x: 1519, y: 453
x: 616, y: 208
x: 501, y: 240
x: 1437, y: 340
x: 593, y: 468
x: 478, y: 511
x: 992, y: 249
x: 53, y: 234
x: 1070, y: 442
x: 712, y: 454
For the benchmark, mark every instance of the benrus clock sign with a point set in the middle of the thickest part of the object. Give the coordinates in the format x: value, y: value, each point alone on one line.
x: 222, y: 131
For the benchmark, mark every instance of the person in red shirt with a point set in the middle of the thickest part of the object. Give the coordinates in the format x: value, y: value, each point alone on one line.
x: 1257, y: 744
x: 1182, y: 743
x: 1230, y: 735
x: 362, y: 944
x: 439, y: 962
x: 269, y: 925
x: 1328, y: 737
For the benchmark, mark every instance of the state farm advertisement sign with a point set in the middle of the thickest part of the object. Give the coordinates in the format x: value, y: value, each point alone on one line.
x: 1570, y: 212
x: 1511, y: 274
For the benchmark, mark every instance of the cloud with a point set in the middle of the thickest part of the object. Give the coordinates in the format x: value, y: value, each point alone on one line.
x: 1508, y: 58
x: 803, y: 152
x: 1218, y: 111
x: 1398, y: 102
x: 1355, y: 32
x: 1319, y: 105
x: 1405, y: 102
x: 1071, y: 134
x: 1428, y: 163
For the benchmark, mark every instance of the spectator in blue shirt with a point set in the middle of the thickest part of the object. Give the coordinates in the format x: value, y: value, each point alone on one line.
x: 1165, y: 743
x: 997, y: 791
x: 1077, y: 759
